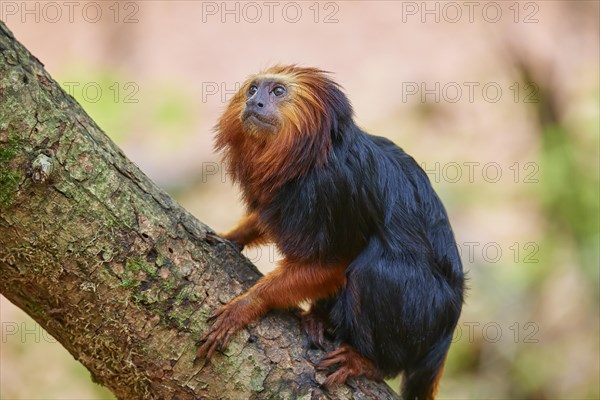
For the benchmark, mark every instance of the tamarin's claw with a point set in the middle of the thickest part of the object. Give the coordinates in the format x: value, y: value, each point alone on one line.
x: 351, y: 364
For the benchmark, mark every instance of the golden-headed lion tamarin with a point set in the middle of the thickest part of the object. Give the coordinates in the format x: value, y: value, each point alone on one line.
x: 364, y: 237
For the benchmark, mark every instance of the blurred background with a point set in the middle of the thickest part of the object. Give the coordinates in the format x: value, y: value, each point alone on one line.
x: 498, y: 101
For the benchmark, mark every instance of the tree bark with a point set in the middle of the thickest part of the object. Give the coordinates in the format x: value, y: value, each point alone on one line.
x: 117, y: 271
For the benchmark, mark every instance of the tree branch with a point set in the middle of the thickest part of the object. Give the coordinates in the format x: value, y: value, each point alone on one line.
x: 117, y: 271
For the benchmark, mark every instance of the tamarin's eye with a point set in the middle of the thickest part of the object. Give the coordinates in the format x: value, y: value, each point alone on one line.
x: 251, y: 90
x: 278, y: 91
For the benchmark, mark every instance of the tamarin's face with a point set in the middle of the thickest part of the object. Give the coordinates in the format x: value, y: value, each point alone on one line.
x: 264, y: 96
x: 294, y: 109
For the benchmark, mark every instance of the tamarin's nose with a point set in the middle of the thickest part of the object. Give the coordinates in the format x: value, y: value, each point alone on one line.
x: 255, y: 103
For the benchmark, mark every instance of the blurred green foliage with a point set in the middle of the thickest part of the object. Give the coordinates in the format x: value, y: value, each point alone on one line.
x: 569, y: 192
x: 114, y: 102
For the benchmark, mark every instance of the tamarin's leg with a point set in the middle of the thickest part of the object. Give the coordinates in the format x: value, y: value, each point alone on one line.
x: 246, y: 233
x: 351, y: 363
x: 289, y: 284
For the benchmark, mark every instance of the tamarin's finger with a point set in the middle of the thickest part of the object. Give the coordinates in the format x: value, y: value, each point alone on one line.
x: 209, y: 338
x: 204, y: 348
x: 338, y: 356
x: 215, y: 314
x: 208, y: 333
x: 208, y: 348
x: 201, y: 353
x: 321, y: 335
x: 314, y: 332
x: 339, y: 351
x: 338, y: 377
x: 211, y: 350
x: 326, y: 363
x: 226, y: 340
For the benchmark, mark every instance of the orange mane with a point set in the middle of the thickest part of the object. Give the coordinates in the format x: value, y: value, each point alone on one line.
x: 309, y: 119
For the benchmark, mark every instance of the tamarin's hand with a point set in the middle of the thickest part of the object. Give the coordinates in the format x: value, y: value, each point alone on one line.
x: 364, y: 237
x: 246, y: 233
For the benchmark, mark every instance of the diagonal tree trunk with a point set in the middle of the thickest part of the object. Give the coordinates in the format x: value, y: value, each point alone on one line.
x: 118, y: 272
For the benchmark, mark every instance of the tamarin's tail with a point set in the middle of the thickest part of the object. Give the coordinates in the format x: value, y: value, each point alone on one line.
x: 421, y: 381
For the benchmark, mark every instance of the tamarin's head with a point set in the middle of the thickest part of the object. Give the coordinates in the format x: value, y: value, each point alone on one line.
x: 281, y: 123
x: 287, y: 99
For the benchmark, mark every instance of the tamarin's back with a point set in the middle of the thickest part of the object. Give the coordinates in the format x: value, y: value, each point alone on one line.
x: 369, y: 186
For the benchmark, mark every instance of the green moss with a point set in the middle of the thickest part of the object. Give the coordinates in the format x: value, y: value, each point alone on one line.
x: 83, y: 209
x: 150, y: 270
x: 139, y: 298
x: 169, y: 284
x: 128, y: 282
x: 8, y: 151
x: 130, y: 278
x: 180, y: 318
x: 137, y: 264
x: 133, y: 267
x: 186, y: 295
x: 9, y: 179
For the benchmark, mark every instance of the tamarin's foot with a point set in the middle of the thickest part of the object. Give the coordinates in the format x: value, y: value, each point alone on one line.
x: 351, y: 364
x: 314, y: 323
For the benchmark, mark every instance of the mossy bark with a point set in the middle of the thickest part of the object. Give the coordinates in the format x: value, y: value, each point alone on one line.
x: 118, y: 272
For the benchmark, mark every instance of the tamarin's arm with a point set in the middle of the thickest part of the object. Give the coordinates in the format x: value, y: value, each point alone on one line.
x: 247, y: 232
x: 288, y: 285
